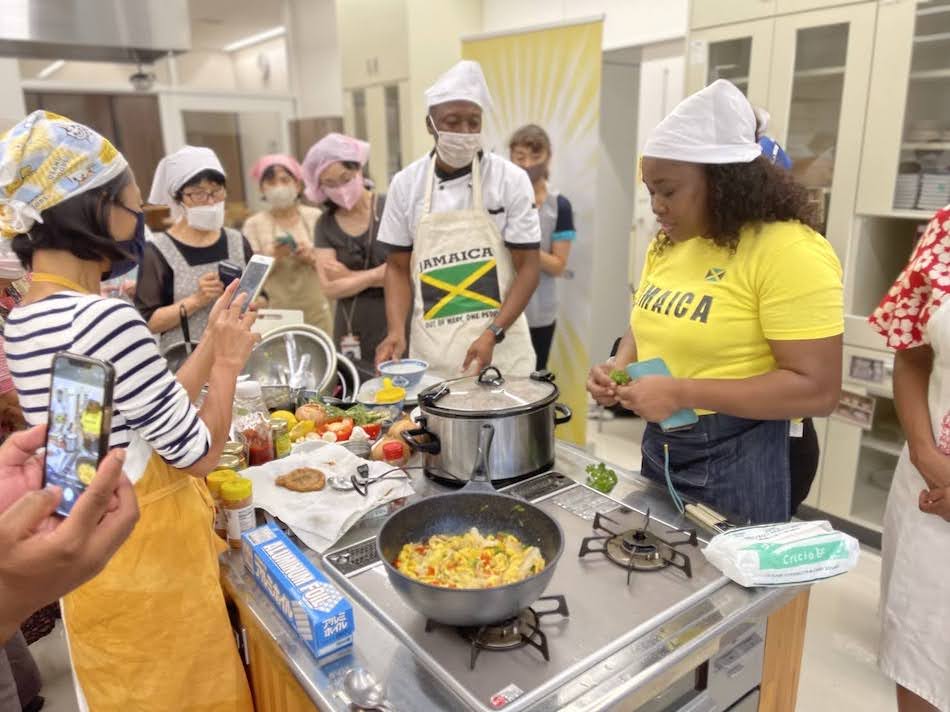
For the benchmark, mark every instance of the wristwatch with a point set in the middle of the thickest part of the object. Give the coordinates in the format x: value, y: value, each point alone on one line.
x: 498, y: 332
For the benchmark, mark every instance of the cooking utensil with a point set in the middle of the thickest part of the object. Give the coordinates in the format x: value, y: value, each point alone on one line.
x: 523, y: 411
x: 365, y: 691
x: 475, y: 505
x: 270, y: 362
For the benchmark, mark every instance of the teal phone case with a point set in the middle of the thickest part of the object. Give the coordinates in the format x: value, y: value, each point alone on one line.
x: 681, y: 419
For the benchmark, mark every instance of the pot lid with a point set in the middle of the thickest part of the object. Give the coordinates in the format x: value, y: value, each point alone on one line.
x: 490, y: 393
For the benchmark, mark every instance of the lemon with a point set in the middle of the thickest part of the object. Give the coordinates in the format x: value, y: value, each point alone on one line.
x: 287, y: 416
x: 302, y: 429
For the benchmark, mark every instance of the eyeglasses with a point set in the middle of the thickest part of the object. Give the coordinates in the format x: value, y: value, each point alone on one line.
x: 205, y: 196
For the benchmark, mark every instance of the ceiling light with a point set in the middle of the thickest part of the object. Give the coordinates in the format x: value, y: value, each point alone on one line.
x: 255, y: 39
x: 51, y: 69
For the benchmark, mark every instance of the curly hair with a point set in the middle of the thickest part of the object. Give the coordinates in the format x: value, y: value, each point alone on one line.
x: 742, y: 194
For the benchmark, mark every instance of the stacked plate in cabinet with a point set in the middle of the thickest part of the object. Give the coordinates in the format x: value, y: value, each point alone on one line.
x: 905, y: 193
x: 934, y: 191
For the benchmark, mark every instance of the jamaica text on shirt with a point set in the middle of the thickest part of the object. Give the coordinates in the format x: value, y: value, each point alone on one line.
x: 681, y: 305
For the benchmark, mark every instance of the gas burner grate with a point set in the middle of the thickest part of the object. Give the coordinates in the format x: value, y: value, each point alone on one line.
x: 512, y: 634
x: 639, y: 549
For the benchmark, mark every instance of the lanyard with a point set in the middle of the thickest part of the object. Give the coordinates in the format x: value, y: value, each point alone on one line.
x: 50, y: 278
x: 348, y: 316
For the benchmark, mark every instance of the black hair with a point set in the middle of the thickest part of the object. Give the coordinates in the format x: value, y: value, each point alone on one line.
x: 328, y: 205
x: 741, y: 194
x: 208, y: 174
x: 78, y: 225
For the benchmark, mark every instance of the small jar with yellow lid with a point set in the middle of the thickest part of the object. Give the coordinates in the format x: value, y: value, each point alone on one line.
x: 238, y: 503
x: 214, y: 480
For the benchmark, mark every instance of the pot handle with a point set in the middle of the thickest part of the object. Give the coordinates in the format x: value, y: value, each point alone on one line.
x: 480, y: 481
x: 562, y: 414
x: 433, y: 447
x: 486, y: 379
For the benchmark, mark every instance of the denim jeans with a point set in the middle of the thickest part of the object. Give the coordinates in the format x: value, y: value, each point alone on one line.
x: 738, y: 467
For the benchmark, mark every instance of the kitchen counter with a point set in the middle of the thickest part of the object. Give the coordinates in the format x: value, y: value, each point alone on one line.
x: 286, y: 677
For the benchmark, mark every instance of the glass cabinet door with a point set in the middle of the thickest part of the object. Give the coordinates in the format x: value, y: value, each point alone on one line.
x: 739, y: 53
x: 923, y: 174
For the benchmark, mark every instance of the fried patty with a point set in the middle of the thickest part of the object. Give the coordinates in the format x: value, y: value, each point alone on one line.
x: 303, y: 479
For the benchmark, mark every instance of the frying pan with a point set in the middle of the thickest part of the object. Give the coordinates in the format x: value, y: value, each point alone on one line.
x: 475, y: 505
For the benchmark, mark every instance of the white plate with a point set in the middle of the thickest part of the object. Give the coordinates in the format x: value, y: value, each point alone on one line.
x: 368, y: 390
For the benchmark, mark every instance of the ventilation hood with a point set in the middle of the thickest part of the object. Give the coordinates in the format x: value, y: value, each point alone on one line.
x: 138, y: 31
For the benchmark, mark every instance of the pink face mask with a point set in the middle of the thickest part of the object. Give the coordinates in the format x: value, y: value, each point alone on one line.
x: 348, y: 194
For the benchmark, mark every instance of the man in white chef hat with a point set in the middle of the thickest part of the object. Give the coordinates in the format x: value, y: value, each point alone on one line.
x: 464, y: 238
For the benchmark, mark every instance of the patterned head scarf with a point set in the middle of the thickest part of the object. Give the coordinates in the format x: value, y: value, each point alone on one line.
x: 46, y: 159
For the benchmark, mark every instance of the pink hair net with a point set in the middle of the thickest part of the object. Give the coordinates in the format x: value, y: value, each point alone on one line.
x: 276, y: 159
x: 332, y: 148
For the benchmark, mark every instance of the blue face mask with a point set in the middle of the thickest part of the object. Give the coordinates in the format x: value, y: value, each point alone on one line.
x: 134, y: 247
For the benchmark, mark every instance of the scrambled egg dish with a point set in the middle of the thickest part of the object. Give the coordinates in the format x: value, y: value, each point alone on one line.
x: 86, y: 472
x: 470, y: 560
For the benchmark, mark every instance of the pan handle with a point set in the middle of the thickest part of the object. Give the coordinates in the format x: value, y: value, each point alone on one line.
x: 433, y: 446
x: 562, y: 414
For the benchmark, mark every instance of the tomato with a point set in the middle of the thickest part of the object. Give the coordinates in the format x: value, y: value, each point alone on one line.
x: 342, y: 429
x: 373, y: 430
x: 431, y: 571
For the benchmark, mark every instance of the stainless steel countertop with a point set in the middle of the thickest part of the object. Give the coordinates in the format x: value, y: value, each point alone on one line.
x: 641, y: 666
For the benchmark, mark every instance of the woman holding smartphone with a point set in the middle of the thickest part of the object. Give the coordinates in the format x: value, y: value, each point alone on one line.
x: 742, y: 300
x: 179, y: 271
x: 151, y: 632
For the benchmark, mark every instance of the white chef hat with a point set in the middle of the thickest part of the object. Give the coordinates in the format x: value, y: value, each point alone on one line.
x: 715, y: 125
x: 177, y: 168
x: 463, y: 82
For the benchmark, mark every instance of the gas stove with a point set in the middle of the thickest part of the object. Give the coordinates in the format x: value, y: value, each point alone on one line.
x: 596, y: 613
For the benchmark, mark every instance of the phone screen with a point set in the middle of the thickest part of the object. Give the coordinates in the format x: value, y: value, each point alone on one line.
x: 79, y: 411
x: 251, y: 281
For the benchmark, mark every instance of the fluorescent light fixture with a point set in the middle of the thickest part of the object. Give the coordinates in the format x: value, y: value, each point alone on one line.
x: 51, y: 69
x: 255, y: 39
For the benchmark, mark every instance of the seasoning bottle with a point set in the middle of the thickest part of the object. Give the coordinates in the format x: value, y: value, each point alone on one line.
x: 281, y: 437
x: 238, y: 503
x: 214, y: 481
x: 252, y: 421
x: 394, y: 452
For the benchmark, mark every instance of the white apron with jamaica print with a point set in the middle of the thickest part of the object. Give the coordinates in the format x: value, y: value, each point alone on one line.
x: 462, y: 271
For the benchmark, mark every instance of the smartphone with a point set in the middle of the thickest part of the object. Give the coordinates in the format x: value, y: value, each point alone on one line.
x: 681, y: 419
x: 228, y: 272
x: 286, y: 240
x: 79, y: 424
x: 255, y: 274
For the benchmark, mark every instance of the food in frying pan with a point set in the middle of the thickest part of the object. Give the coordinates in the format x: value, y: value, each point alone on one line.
x: 470, y: 560
x: 303, y: 479
x: 85, y: 470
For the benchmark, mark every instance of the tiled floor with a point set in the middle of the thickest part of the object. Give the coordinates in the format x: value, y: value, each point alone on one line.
x: 838, y: 672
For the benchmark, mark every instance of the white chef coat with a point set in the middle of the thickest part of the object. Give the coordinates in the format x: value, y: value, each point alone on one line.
x: 506, y: 192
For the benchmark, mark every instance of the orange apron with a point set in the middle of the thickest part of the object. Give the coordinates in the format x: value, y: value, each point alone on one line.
x: 151, y: 632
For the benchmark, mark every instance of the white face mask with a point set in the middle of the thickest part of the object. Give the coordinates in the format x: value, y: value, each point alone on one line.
x: 457, y: 149
x: 206, y: 217
x: 281, y: 196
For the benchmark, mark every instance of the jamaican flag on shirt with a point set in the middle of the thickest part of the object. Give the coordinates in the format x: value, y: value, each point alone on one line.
x: 460, y: 289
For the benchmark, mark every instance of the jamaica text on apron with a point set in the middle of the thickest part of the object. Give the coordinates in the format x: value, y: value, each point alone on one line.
x: 462, y: 271
x: 185, y: 282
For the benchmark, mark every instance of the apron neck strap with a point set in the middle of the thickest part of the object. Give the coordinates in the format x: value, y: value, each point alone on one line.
x: 476, y: 185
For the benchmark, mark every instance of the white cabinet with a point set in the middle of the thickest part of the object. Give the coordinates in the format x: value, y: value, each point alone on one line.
x: 706, y: 13
x: 740, y: 53
x: 374, y: 41
x: 378, y: 114
x: 906, y: 167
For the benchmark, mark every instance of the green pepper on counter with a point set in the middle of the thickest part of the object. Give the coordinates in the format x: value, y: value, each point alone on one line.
x: 621, y: 378
x: 601, y: 478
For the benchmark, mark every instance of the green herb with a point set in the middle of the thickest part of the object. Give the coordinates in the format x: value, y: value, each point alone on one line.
x: 362, y: 415
x: 601, y: 478
x: 621, y: 378
x: 517, y: 508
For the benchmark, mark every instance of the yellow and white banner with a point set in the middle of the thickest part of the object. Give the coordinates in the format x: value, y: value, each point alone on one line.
x: 551, y: 76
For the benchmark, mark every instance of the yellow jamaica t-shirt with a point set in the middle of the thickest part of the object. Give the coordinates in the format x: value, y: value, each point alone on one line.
x: 709, y: 312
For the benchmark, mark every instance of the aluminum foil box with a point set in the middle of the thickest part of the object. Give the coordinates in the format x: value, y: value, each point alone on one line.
x: 312, y: 605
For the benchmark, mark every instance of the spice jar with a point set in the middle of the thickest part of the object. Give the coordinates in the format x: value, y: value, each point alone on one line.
x: 395, y: 453
x: 238, y: 503
x: 228, y: 462
x: 252, y: 421
x: 236, y: 449
x: 281, y: 437
x: 214, y: 481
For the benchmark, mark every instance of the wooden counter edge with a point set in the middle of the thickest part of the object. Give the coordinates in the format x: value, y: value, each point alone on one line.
x: 784, y: 643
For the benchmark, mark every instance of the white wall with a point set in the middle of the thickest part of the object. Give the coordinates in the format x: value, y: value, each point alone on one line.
x: 626, y: 22
x: 12, y: 108
x: 313, y: 54
x: 247, y: 72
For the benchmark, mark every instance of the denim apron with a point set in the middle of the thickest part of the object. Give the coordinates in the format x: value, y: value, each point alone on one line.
x: 738, y: 467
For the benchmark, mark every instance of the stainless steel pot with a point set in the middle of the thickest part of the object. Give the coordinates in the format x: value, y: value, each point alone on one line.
x: 523, y: 412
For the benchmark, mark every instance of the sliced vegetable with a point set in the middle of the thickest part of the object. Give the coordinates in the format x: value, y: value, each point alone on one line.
x: 302, y: 429
x: 621, y: 378
x: 286, y: 416
x: 372, y: 430
x: 342, y: 429
x: 600, y: 477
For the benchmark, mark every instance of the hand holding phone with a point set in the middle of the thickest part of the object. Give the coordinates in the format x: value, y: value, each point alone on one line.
x: 228, y: 272
x: 252, y: 281
x: 79, y: 424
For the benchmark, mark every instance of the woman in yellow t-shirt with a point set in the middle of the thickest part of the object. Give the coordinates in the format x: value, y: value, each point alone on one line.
x: 741, y: 298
